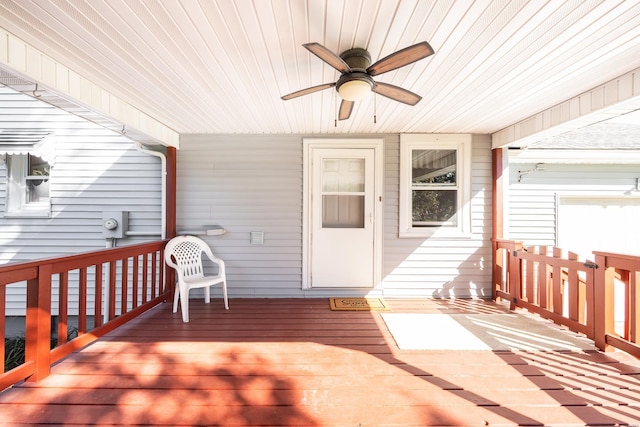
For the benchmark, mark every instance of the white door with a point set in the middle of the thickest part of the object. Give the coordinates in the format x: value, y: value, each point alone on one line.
x: 342, y: 218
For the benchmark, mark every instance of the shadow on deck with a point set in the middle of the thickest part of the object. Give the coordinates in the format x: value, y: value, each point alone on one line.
x: 281, y: 362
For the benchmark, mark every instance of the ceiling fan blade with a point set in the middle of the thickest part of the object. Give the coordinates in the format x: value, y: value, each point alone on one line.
x: 396, y: 93
x: 327, y: 56
x: 345, y: 110
x: 403, y: 57
x: 308, y: 91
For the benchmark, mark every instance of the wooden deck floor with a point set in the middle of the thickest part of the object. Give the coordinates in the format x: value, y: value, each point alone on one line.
x: 282, y: 362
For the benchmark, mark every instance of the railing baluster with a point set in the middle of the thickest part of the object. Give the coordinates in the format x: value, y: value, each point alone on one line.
x: 556, y: 283
x: 624, y: 278
x: 135, y: 272
x: 603, y: 298
x: 63, y: 307
x: 145, y: 278
x: 590, y: 307
x: 153, y: 277
x: 124, y: 288
x: 111, y: 286
x: 162, y: 283
x: 82, y: 302
x: 634, y: 315
x: 3, y: 322
x: 97, y: 309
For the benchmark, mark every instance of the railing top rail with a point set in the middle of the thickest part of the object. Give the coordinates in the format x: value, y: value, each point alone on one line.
x: 24, y: 270
x: 507, y: 244
x: 617, y: 255
x: 620, y: 261
x: 549, y: 259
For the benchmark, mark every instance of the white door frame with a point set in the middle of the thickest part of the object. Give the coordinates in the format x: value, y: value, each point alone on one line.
x: 308, y: 145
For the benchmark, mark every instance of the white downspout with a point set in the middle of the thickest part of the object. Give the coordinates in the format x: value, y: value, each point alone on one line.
x: 163, y: 208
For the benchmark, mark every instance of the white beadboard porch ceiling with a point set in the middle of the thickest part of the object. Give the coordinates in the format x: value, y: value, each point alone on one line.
x: 221, y: 66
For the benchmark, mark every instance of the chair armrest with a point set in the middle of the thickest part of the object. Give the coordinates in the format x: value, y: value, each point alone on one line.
x: 215, y: 259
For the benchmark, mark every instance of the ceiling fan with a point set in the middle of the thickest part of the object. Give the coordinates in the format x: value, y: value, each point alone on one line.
x: 356, y: 74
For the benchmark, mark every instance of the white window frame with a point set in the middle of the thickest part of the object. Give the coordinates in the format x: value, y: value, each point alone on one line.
x: 462, y: 144
x: 17, y: 202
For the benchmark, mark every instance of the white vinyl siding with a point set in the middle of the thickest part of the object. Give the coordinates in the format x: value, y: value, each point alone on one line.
x: 533, y: 197
x: 95, y: 170
x: 246, y: 184
x: 254, y: 183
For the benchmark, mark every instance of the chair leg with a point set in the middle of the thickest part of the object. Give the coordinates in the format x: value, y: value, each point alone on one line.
x: 224, y: 292
x: 176, y: 297
x: 207, y: 295
x: 184, y: 296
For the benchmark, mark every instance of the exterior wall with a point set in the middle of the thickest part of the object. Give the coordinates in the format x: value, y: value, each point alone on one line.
x: 254, y: 183
x: 246, y: 184
x: 95, y: 170
x: 532, y: 199
x: 415, y: 267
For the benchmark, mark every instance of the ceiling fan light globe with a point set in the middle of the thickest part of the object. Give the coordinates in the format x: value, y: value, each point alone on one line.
x: 354, y: 90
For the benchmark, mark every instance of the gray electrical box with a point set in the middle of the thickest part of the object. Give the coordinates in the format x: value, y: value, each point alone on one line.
x: 115, y: 224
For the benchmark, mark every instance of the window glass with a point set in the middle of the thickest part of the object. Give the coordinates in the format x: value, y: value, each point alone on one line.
x: 430, y: 167
x: 434, y: 191
x: 28, y: 186
x: 37, y: 180
x: 343, y: 193
x: 434, y: 208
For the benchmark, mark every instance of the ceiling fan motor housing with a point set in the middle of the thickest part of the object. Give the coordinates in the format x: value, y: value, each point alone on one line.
x: 357, y: 59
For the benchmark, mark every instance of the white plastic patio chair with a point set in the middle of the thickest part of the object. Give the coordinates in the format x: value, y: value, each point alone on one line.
x: 184, y: 254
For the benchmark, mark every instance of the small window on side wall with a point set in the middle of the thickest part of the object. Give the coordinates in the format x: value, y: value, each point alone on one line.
x: 435, y: 185
x: 28, y: 186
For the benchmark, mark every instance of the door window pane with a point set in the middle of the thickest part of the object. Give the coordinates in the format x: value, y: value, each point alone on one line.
x: 342, y: 175
x: 343, y: 193
x: 342, y: 211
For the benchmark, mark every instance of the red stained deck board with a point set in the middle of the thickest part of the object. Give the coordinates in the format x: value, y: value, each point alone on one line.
x: 331, y: 415
x: 294, y: 362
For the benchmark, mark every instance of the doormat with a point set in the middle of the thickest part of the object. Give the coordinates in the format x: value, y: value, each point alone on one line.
x: 358, y: 304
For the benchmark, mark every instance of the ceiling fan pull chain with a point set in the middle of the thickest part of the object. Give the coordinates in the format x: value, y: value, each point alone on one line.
x: 335, y: 105
x: 375, y: 112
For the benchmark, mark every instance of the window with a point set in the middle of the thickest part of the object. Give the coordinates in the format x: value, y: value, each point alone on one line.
x: 435, y: 185
x: 28, y: 186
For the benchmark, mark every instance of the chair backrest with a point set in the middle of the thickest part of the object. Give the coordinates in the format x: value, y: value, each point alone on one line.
x: 184, y: 253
